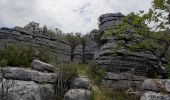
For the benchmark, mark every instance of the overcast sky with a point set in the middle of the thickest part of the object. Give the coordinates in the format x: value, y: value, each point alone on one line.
x: 67, y: 15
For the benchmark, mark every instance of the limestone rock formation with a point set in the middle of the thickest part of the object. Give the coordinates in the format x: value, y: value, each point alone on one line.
x: 156, y: 89
x: 81, y: 82
x: 123, y: 81
x: 78, y: 54
x: 20, y: 36
x: 109, y: 19
x: 16, y: 73
x: 77, y: 94
x: 115, y: 58
x: 25, y: 90
x: 41, y: 66
x: 90, y: 45
x: 80, y: 89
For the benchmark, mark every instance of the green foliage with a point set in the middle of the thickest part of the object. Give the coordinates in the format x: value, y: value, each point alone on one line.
x: 16, y: 56
x: 45, y: 55
x: 67, y: 72
x: 19, y: 56
x: 96, y: 73
x: 73, y: 40
x: 109, y: 93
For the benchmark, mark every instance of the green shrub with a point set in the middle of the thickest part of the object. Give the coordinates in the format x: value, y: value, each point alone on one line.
x: 96, y: 73
x: 16, y: 56
x: 22, y: 56
x: 67, y: 72
x: 45, y: 56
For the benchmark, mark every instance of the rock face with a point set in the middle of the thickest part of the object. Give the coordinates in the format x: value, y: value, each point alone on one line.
x: 90, y: 45
x: 26, y: 90
x: 41, y: 66
x: 20, y: 36
x: 27, y: 84
x: 81, y: 83
x: 118, y: 59
x: 123, y: 81
x: 107, y: 20
x: 77, y: 94
x: 81, y: 89
x: 156, y: 89
x: 78, y: 54
x: 28, y: 75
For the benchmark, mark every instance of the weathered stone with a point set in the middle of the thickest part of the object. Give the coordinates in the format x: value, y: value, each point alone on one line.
x: 57, y: 45
x: 81, y: 83
x: 78, y: 54
x: 26, y: 90
x: 41, y: 66
x: 113, y: 53
x: 155, y: 96
x: 78, y: 94
x: 157, y: 85
x: 123, y: 81
x: 28, y: 75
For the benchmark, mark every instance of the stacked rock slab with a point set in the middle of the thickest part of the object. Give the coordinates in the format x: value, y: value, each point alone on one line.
x: 21, y: 36
x: 122, y: 59
x: 156, y: 89
x: 90, y: 45
x: 27, y: 84
x: 80, y: 89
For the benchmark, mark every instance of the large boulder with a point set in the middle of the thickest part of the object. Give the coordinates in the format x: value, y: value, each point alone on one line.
x: 155, y: 96
x: 28, y: 75
x: 81, y: 83
x: 41, y: 66
x: 25, y: 90
x: 78, y: 94
x: 107, y: 20
x: 123, y: 80
x: 157, y: 85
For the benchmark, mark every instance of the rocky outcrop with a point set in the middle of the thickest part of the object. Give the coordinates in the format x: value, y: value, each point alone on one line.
x: 26, y: 84
x: 123, y: 81
x: 81, y: 83
x: 25, y: 90
x: 80, y: 89
x: 41, y: 66
x: 107, y: 20
x: 16, y: 73
x: 156, y: 89
x: 78, y: 54
x: 20, y: 36
x: 116, y: 57
x: 90, y: 45
x: 77, y: 94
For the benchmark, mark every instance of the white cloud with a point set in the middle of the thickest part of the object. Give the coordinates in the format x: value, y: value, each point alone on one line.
x: 68, y: 15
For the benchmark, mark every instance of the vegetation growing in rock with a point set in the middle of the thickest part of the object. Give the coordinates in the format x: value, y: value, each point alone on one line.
x: 109, y: 93
x: 96, y: 73
x: 73, y: 40
x: 137, y: 35
x: 18, y: 56
x: 67, y: 72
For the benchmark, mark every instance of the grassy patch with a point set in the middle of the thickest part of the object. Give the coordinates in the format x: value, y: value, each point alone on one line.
x: 108, y: 93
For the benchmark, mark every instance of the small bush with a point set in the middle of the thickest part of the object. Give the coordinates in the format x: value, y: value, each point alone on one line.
x: 22, y: 56
x: 45, y: 56
x: 16, y: 56
x: 96, y: 73
x: 67, y: 72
